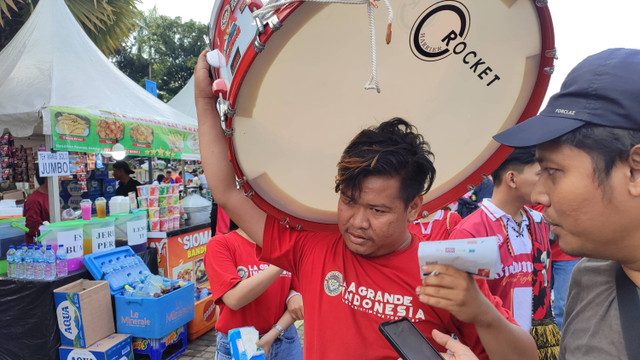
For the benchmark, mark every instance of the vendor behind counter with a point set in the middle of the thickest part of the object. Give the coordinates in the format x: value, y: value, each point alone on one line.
x: 36, y: 209
x: 121, y: 172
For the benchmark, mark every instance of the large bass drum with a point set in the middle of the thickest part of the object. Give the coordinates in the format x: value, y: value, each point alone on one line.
x: 291, y: 90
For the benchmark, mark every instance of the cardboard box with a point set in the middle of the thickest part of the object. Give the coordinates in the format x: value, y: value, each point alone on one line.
x: 167, y: 347
x: 113, y: 347
x: 84, y: 312
x: 181, y: 257
x: 206, y: 315
x: 17, y: 195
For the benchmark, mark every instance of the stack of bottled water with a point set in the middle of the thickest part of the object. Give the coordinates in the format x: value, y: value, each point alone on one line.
x: 200, y: 293
x: 36, y: 262
x: 131, y: 274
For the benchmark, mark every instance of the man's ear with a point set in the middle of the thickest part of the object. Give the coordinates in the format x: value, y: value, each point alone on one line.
x: 509, y: 178
x: 414, y: 208
x: 634, y: 168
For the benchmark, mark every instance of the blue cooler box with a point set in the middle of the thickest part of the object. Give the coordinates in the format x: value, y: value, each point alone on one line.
x: 143, y: 316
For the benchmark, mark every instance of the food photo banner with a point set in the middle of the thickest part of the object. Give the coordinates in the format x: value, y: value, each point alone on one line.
x: 96, y: 131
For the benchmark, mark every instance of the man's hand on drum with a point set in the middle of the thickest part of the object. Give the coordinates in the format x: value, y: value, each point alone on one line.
x: 455, y: 291
x: 202, y: 81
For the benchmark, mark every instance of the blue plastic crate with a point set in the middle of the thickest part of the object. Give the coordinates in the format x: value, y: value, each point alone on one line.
x: 167, y: 347
x: 143, y: 316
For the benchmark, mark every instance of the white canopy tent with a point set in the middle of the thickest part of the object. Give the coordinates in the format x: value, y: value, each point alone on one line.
x: 184, y: 100
x: 52, y: 62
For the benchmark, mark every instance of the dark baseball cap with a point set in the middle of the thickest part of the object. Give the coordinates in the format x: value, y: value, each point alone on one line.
x: 603, y: 89
x: 122, y: 165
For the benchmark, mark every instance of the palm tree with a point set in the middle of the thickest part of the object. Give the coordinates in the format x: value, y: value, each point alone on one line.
x: 107, y: 22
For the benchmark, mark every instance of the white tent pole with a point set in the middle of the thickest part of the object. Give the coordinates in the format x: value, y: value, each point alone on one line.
x: 54, y: 189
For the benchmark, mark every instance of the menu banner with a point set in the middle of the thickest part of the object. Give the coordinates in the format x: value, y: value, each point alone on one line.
x: 96, y: 131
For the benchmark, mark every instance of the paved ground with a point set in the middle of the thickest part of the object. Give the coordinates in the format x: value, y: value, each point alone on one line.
x: 204, y: 347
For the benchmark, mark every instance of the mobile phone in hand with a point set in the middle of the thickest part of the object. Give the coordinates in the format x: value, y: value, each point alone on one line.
x: 408, y: 341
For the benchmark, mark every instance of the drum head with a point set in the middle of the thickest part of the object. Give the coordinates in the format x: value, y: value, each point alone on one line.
x: 460, y: 71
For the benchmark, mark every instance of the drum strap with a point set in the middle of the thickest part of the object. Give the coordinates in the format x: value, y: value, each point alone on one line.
x: 628, y: 295
x: 371, y: 5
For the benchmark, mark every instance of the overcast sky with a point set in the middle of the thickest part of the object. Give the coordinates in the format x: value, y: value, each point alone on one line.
x: 582, y: 27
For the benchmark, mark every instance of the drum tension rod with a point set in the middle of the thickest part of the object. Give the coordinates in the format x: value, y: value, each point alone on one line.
x: 275, y: 25
x: 225, y: 112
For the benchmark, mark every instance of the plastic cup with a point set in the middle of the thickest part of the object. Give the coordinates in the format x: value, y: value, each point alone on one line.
x: 85, y: 207
x: 154, y: 190
x: 101, y: 207
x: 154, y: 213
x: 164, y: 189
x: 164, y: 200
x: 164, y: 224
x: 143, y: 190
x: 154, y: 225
x: 143, y: 203
x: 153, y: 202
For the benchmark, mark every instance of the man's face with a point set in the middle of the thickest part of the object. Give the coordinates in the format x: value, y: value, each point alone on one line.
x: 117, y: 174
x: 527, y: 180
x: 589, y: 220
x: 375, y: 222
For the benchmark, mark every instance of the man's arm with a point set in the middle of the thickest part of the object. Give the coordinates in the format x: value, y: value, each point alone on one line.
x: 215, y: 159
x: 457, y: 292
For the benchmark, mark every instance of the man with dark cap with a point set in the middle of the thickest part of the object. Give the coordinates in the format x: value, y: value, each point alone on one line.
x: 588, y: 146
x: 121, y: 172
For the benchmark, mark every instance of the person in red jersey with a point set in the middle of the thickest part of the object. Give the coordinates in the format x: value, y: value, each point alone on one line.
x: 367, y: 271
x: 523, y: 280
x: 254, y: 293
x: 437, y: 225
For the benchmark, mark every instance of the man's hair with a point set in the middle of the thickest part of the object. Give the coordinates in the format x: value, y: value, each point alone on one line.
x: 393, y: 148
x: 516, y: 161
x: 168, y: 171
x: 41, y: 180
x: 604, y: 145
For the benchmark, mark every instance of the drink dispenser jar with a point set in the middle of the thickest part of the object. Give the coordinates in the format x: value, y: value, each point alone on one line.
x: 68, y: 233
x: 131, y: 229
x: 99, y: 235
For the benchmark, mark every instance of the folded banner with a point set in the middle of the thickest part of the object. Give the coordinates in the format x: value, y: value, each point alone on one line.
x: 96, y: 131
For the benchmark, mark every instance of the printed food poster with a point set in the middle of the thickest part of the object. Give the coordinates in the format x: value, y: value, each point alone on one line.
x: 182, y: 256
x: 96, y: 131
x: 183, y: 272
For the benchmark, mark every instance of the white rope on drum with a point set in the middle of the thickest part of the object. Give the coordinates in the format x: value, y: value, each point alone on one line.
x: 371, y: 5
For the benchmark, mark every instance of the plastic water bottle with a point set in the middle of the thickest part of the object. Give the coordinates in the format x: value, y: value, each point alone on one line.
x: 28, y: 263
x: 19, y: 259
x: 62, y: 268
x: 49, y: 264
x: 19, y: 265
x: 11, y: 265
x: 38, y: 263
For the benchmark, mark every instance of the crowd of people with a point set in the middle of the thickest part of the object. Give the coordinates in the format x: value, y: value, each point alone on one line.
x: 568, y: 191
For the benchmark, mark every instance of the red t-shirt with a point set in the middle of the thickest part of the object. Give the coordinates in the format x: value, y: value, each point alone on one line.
x: 176, y: 179
x: 438, y: 228
x: 231, y: 258
x: 36, y: 211
x: 347, y: 296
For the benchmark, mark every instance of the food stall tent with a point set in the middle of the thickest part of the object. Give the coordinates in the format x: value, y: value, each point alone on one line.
x: 52, y: 62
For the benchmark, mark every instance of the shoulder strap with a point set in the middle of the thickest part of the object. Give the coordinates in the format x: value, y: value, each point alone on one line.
x: 448, y: 226
x: 628, y: 296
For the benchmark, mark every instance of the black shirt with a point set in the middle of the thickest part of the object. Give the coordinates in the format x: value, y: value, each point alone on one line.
x: 125, y: 189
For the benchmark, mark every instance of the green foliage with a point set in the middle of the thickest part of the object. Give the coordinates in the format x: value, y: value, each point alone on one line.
x: 167, y: 45
x: 107, y: 22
